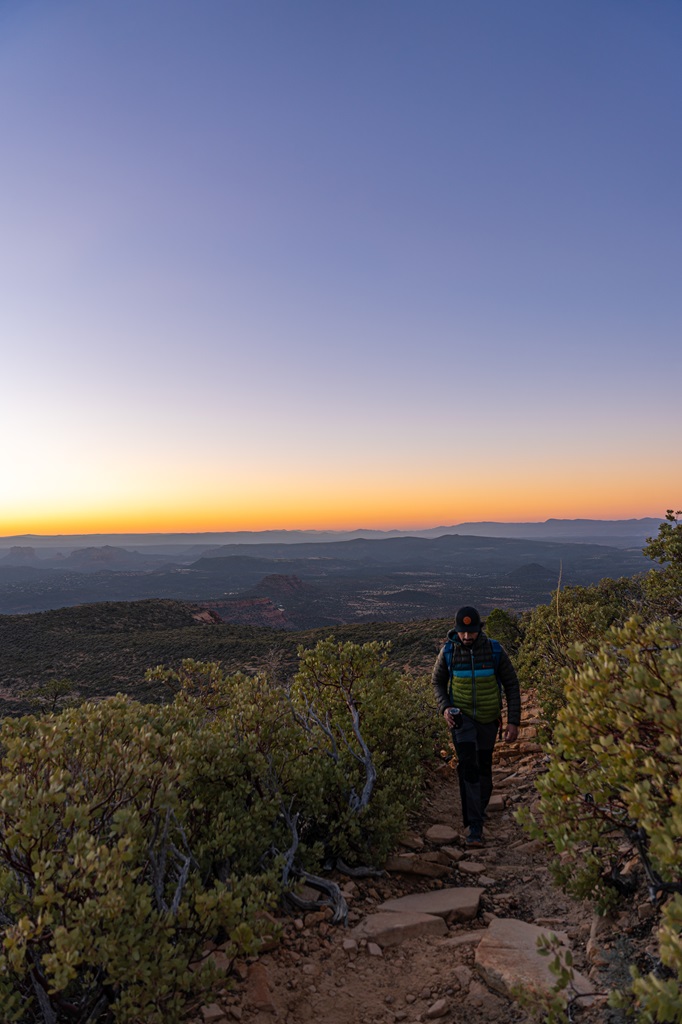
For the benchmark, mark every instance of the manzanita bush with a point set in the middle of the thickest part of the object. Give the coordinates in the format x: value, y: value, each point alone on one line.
x: 130, y: 834
x: 613, y: 788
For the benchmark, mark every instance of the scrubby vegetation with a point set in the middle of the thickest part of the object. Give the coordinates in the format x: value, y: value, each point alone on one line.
x: 130, y: 834
x: 611, y: 799
x: 106, y: 648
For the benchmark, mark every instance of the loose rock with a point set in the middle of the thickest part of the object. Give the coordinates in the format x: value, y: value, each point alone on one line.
x: 438, y: 1009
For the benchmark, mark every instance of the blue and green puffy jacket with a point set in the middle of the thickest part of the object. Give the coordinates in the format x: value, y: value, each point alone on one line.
x: 473, y: 679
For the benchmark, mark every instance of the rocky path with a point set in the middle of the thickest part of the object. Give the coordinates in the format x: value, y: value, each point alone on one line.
x: 446, y: 934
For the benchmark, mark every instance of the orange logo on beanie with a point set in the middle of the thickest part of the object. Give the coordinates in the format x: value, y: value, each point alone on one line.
x: 467, y: 620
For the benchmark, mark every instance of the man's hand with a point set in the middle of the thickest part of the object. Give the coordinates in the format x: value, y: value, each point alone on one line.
x: 511, y: 733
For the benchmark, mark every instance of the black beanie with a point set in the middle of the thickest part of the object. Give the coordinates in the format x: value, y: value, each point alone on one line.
x: 468, y: 620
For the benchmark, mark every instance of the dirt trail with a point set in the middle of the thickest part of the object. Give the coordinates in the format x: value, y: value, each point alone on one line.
x: 317, y: 974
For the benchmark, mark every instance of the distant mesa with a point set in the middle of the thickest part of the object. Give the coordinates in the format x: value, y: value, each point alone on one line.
x: 108, y: 557
x: 20, y: 556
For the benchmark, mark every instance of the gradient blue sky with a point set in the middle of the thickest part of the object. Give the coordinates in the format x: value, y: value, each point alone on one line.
x: 275, y: 263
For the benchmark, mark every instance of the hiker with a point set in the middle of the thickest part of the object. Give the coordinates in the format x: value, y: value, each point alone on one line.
x: 468, y: 678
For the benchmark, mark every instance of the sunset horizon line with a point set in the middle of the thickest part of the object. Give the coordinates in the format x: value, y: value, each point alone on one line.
x: 119, y: 532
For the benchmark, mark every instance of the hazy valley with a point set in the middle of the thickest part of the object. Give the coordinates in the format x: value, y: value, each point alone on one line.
x: 293, y: 583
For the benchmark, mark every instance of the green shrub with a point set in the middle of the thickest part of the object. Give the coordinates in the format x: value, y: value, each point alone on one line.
x: 663, y: 587
x: 341, y: 750
x: 131, y: 834
x: 100, y: 906
x: 575, y: 615
x: 507, y: 628
x: 614, y: 785
x: 372, y: 726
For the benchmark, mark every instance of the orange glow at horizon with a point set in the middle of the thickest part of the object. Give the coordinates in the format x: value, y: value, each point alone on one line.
x: 183, y: 517
x: 191, y: 496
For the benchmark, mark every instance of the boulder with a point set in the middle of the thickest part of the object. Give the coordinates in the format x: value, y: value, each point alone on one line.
x: 507, y: 955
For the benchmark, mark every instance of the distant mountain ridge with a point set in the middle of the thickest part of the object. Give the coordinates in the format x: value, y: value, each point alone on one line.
x: 613, y: 532
x: 361, y: 579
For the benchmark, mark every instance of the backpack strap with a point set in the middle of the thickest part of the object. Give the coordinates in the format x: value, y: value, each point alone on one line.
x: 497, y: 651
x: 447, y: 654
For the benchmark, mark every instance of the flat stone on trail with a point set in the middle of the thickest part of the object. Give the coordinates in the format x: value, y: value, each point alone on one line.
x: 496, y: 802
x: 441, y: 834
x: 471, y: 867
x: 390, y: 929
x: 414, y: 864
x: 412, y: 841
x: 458, y: 904
x: 452, y: 853
x: 507, y: 955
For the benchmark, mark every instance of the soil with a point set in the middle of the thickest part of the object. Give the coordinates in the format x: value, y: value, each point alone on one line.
x: 317, y: 975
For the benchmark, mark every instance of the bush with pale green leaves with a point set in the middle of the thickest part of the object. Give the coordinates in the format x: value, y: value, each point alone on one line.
x: 664, y: 586
x: 373, y: 728
x: 101, y: 906
x: 613, y: 788
x: 132, y: 834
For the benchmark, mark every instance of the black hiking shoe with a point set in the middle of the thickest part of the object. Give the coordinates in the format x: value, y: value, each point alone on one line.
x: 474, y: 840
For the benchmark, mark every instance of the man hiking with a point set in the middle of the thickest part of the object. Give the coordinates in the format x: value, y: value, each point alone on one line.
x: 468, y: 678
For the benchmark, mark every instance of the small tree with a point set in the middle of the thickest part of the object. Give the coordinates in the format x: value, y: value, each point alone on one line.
x: 574, y: 615
x: 52, y: 696
x: 664, y: 586
x: 505, y: 627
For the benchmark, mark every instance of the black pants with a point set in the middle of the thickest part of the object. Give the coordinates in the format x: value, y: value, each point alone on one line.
x: 474, y: 745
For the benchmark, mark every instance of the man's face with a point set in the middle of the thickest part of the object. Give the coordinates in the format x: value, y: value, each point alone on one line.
x: 468, y: 639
